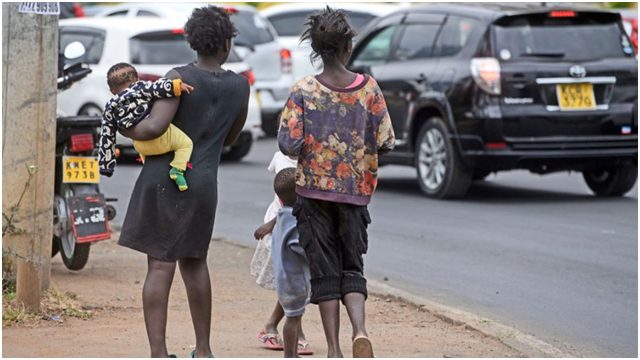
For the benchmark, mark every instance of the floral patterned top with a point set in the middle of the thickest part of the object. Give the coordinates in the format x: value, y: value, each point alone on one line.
x: 337, y: 135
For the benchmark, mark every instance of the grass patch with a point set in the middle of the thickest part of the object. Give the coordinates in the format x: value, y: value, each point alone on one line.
x: 55, y: 306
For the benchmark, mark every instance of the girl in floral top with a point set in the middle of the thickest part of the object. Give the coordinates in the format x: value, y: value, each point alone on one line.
x: 337, y: 124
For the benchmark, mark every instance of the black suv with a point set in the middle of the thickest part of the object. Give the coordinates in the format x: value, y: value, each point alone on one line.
x: 475, y: 89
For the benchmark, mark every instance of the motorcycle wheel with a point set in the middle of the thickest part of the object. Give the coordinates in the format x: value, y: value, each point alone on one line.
x: 74, y: 255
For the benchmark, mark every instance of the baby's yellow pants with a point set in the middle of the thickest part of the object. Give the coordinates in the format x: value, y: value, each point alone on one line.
x: 173, y: 139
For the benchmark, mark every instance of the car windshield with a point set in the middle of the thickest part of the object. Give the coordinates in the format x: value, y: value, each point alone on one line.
x: 164, y: 47
x: 577, y: 38
x: 252, y: 28
x: 292, y: 24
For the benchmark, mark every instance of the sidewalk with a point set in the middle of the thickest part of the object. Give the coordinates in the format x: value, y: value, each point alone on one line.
x: 111, y: 285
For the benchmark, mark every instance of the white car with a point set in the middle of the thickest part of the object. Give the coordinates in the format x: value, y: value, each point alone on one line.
x: 289, y: 19
x: 257, y: 43
x: 153, y: 47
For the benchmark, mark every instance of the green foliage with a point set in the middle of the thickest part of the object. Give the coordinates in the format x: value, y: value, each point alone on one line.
x: 620, y: 5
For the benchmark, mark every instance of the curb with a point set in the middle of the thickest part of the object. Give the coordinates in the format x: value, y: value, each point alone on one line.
x: 527, y: 344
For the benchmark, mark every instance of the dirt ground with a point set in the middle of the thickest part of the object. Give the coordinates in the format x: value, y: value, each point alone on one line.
x: 111, y: 284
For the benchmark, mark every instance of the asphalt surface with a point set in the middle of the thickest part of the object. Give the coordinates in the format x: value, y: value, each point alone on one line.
x: 538, y: 253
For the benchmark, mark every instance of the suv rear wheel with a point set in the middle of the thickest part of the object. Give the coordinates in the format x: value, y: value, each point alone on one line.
x: 613, y: 181
x: 441, y: 173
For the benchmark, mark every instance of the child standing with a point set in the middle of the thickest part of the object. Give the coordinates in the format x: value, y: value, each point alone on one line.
x: 261, y: 265
x: 337, y: 124
x: 289, y: 263
x: 131, y: 103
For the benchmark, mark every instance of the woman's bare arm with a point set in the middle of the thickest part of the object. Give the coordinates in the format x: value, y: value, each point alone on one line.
x: 238, y: 124
x: 159, y: 119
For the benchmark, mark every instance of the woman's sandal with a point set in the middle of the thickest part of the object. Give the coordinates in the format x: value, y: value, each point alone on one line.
x: 193, y: 354
x: 362, y: 347
x: 270, y: 341
x: 303, y: 348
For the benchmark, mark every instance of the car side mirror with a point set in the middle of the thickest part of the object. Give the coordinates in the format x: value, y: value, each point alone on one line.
x: 74, y: 50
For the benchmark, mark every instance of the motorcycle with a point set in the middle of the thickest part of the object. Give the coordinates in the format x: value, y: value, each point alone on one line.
x: 80, y: 213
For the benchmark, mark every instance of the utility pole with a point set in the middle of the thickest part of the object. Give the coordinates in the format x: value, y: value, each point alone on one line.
x: 29, y: 73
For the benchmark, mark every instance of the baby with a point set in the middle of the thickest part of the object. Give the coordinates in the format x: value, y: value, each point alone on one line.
x: 131, y: 103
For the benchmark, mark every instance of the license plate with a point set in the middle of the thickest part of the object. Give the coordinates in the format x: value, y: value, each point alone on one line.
x: 80, y: 169
x: 89, y: 217
x: 576, y: 96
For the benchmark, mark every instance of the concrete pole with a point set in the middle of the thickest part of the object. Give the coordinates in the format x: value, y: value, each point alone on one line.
x: 29, y: 69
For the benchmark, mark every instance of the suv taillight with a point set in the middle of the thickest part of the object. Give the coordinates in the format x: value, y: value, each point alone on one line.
x: 249, y: 75
x: 486, y: 73
x: 81, y: 143
x: 148, y: 77
x: 286, y: 64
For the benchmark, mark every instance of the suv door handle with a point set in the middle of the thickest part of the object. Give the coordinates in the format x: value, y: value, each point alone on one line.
x: 421, y: 79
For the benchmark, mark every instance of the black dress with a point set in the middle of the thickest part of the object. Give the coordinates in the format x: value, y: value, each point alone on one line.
x: 161, y: 221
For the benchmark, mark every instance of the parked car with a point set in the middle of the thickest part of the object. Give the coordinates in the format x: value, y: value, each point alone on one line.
x: 288, y: 20
x: 478, y: 89
x: 153, y: 47
x: 257, y: 43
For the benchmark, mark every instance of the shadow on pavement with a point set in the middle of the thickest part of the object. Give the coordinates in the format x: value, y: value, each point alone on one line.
x: 492, y: 192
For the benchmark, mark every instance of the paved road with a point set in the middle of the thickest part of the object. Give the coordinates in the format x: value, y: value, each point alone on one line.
x: 535, y: 252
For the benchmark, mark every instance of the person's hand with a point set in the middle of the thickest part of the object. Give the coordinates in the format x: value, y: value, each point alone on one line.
x: 184, y: 87
x: 264, y: 230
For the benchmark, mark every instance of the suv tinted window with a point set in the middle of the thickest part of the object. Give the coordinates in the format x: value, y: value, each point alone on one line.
x: 454, y: 35
x: 162, y: 47
x: 292, y: 23
x: 93, y: 41
x: 252, y: 28
x: 377, y: 48
x: 568, y: 38
x: 416, y: 42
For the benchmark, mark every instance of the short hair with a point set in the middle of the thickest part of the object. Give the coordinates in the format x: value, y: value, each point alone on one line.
x: 285, y: 186
x: 121, y: 74
x: 208, y: 28
x: 329, y: 33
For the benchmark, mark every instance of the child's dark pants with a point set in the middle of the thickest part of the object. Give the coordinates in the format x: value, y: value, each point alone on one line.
x: 334, y: 237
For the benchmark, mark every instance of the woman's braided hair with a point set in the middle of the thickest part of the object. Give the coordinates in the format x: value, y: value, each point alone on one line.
x: 208, y: 28
x: 329, y: 33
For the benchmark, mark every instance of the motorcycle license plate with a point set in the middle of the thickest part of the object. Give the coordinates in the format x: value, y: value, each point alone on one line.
x: 576, y: 96
x: 89, y: 217
x: 80, y: 169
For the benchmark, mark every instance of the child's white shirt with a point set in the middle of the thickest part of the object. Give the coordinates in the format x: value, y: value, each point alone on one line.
x: 279, y: 162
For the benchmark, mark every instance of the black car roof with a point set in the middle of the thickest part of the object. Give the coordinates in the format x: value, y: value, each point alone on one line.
x: 492, y: 11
